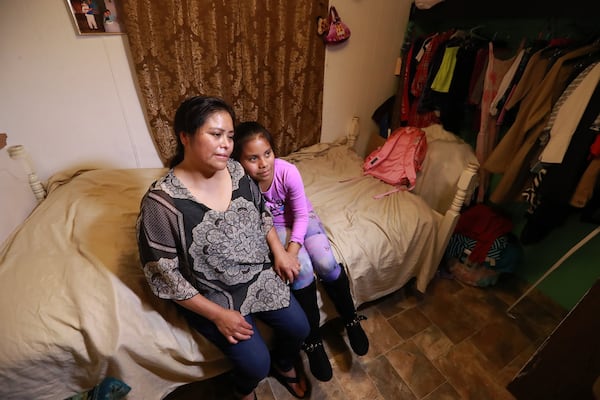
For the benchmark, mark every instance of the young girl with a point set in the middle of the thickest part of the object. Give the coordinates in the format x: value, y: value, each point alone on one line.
x: 300, y: 230
x: 205, y: 242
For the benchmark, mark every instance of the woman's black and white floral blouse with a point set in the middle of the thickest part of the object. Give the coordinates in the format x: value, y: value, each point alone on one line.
x: 187, y: 248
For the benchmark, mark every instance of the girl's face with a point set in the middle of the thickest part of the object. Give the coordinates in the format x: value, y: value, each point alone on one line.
x: 211, y: 145
x: 258, y: 160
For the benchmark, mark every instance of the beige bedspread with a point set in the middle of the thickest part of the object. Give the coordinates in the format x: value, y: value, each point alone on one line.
x: 75, y: 307
x: 74, y: 304
x: 381, y: 242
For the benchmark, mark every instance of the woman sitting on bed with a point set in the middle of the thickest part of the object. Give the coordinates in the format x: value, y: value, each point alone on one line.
x: 205, y: 240
x: 300, y: 230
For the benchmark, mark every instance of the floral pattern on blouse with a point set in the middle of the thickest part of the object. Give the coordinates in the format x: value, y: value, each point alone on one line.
x: 187, y: 248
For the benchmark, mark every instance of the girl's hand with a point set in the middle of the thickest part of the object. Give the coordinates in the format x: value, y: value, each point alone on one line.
x: 286, y: 266
x: 293, y: 248
x: 233, y: 326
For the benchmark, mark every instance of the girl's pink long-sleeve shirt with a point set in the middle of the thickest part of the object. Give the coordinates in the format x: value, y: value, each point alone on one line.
x: 287, y: 200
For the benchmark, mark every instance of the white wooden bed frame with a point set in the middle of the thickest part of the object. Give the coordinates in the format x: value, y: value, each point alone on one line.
x: 18, y: 152
x: 16, y: 202
x: 464, y: 189
x: 188, y: 357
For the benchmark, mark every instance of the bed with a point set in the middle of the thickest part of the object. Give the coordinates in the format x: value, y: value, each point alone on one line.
x: 75, y: 306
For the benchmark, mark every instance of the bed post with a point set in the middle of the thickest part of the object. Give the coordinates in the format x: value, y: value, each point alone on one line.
x: 465, y: 186
x: 18, y: 152
x: 352, y: 132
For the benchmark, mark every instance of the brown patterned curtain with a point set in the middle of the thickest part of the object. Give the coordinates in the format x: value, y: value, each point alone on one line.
x: 263, y: 57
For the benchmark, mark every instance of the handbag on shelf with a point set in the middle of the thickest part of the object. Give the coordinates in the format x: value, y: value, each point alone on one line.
x: 338, y: 31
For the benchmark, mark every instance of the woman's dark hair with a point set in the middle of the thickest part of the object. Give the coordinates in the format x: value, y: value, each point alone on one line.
x: 191, y: 115
x: 246, y: 131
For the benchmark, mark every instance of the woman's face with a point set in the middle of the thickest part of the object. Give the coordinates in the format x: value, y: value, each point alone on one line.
x: 210, y: 147
x: 258, y: 160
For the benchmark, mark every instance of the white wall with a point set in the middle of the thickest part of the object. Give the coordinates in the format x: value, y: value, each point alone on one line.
x: 71, y: 100
x: 359, y: 74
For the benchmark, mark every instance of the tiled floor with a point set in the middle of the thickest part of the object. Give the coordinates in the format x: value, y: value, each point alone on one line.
x: 456, y: 342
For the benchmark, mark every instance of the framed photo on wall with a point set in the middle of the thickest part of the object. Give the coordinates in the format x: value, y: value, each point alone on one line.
x: 95, y: 17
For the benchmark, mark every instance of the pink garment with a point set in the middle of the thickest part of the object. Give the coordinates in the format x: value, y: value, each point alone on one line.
x: 287, y: 200
x: 488, y: 130
x: 477, y: 76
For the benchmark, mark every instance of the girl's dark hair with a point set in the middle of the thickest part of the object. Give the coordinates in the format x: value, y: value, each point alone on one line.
x: 191, y: 115
x: 246, y: 131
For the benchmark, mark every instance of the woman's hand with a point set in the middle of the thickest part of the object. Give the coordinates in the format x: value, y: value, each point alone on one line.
x: 286, y: 266
x: 233, y: 326
x: 230, y: 323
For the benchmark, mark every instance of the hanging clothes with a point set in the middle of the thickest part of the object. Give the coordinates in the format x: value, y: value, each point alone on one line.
x: 406, y: 77
x: 530, y: 193
x: 506, y: 81
x: 561, y: 180
x: 477, y: 77
x: 417, y: 117
x: 443, y: 77
x: 569, y: 114
x: 440, y: 83
x: 534, y: 73
x: 591, y: 176
x: 454, y: 107
x: 512, y: 154
x: 488, y: 131
x: 504, y: 115
x: 585, y: 188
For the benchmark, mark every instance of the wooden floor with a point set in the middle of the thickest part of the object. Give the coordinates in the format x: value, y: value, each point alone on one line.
x: 456, y: 342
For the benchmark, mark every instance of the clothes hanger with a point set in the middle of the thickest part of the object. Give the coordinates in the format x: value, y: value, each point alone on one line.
x: 473, y: 34
x: 500, y: 42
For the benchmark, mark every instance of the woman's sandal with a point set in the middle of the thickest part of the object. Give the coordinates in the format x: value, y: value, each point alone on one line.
x: 287, y: 380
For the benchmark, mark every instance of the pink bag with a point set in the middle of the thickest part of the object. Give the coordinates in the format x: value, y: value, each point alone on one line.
x: 399, y: 159
x: 338, y: 31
